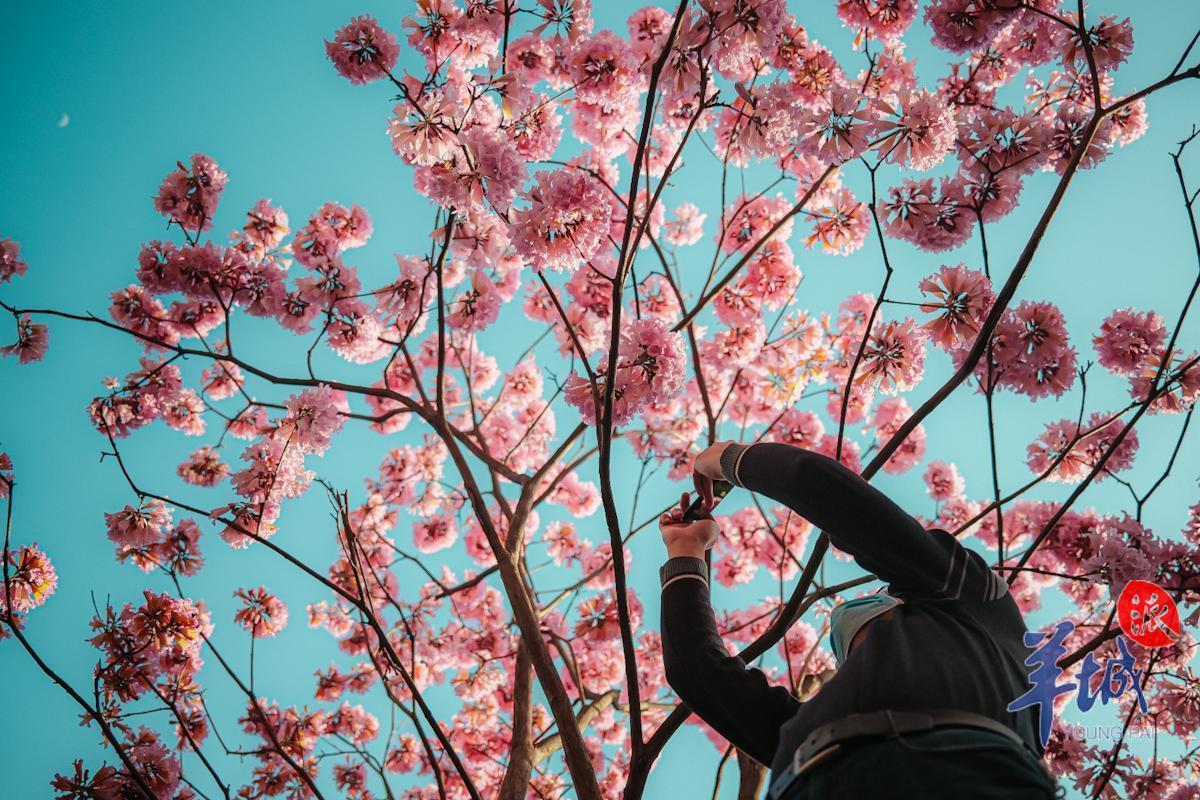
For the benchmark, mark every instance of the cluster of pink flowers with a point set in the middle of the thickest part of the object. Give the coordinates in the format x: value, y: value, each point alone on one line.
x: 274, y: 471
x: 189, y: 194
x: 894, y: 356
x: 362, y: 51
x: 262, y: 613
x: 750, y: 542
x: 31, y: 579
x: 1030, y: 352
x: 313, y: 417
x: 1128, y: 339
x: 11, y: 263
x: 650, y: 367
x: 1076, y: 451
x: 961, y: 298
x: 160, y: 770
x: 567, y: 221
x: 33, y: 339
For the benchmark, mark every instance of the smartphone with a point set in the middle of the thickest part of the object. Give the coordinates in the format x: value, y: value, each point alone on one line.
x: 695, y: 510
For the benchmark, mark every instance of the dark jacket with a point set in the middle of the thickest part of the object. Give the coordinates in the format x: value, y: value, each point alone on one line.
x: 955, y: 643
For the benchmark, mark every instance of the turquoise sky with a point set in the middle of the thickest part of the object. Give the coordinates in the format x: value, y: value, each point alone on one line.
x: 142, y: 85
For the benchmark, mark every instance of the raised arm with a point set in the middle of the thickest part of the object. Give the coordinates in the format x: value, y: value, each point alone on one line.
x: 862, y: 521
x: 735, y: 699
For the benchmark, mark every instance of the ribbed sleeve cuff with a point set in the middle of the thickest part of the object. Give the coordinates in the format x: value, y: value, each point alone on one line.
x: 683, y: 566
x: 731, y: 457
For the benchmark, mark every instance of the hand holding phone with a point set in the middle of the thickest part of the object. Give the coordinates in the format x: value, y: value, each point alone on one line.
x: 696, y: 510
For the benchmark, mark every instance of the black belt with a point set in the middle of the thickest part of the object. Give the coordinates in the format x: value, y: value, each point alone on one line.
x: 881, y: 723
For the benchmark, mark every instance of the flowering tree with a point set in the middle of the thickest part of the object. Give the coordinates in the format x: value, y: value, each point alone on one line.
x: 672, y: 330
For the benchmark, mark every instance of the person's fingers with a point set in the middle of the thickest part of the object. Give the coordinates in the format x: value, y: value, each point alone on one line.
x: 704, y: 488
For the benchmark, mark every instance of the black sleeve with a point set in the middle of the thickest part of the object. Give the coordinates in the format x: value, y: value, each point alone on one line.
x: 736, y: 700
x: 863, y: 522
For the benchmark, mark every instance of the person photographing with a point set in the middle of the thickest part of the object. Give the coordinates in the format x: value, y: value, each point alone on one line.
x: 917, y: 707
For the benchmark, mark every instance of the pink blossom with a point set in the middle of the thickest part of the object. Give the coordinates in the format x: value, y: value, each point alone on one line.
x: 313, y: 417
x: 181, y: 550
x: 185, y: 412
x: 477, y: 307
x: 648, y: 28
x: 942, y: 481
x: 933, y: 220
x: 1180, y: 378
x: 650, y: 369
x: 603, y: 127
x: 356, y: 335
x: 1127, y: 339
x: 894, y: 356
x: 275, y: 470
x: 962, y: 297
x: 262, y: 613
x: 250, y: 422
x: 158, y: 267
x: 993, y: 195
x: 747, y: 32
x: 163, y: 625
x: 31, y: 579
x: 1002, y: 141
x: 33, y: 339
x: 222, y: 379
x: 265, y: 228
x: 962, y: 25
x: 841, y: 128
x: 566, y: 223
x: 362, y: 51
x: 188, y: 195
x: 537, y: 130
x: 1081, y: 449
x: 887, y: 20
x: 405, y: 755
x: 332, y: 230
x: 605, y: 71
x: 485, y: 170
x: 748, y: 220
x: 11, y: 264
x: 154, y: 762
x: 925, y: 131
x: 1111, y: 43
x: 144, y: 526
x: 747, y: 131
x: 1118, y: 553
x: 424, y: 134
x: 772, y: 275
x: 889, y: 415
x: 890, y: 74
x: 193, y: 318
x: 1030, y: 352
x: 562, y: 542
x: 842, y: 226
x: 598, y: 617
x: 436, y: 533
x: 1039, y: 333
x: 579, y: 498
x: 1129, y: 123
x: 1067, y: 126
x: 134, y: 309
